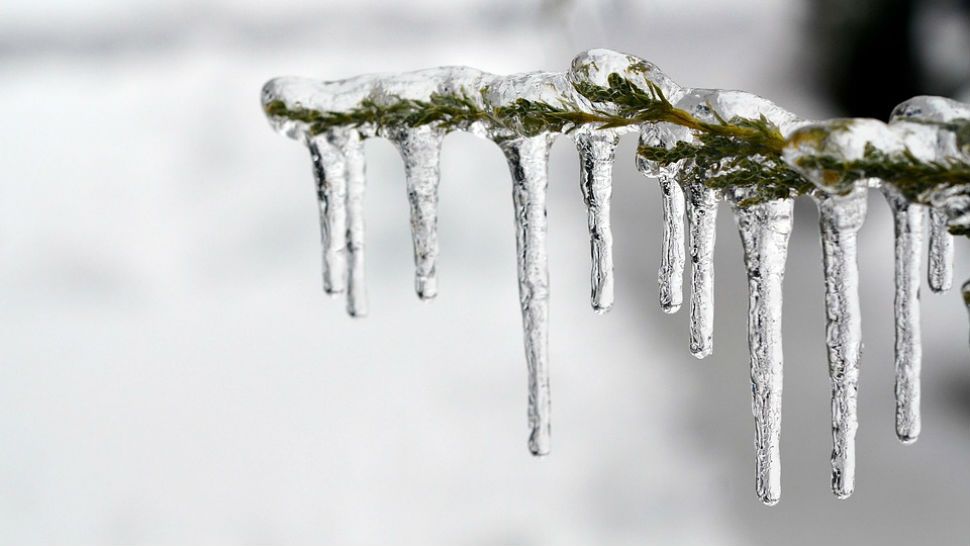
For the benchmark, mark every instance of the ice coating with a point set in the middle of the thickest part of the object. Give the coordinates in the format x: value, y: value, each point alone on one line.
x: 595, y: 66
x: 842, y: 140
x: 670, y: 276
x: 908, y: 221
x: 931, y: 112
x: 329, y: 171
x: 840, y: 218
x: 602, y: 96
x: 420, y: 149
x: 847, y: 140
x: 712, y: 106
x: 596, y: 155
x: 597, y: 152
x: 528, y: 160
x: 765, y: 229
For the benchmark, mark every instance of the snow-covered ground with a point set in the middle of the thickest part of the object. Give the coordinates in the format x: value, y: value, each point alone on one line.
x: 170, y: 371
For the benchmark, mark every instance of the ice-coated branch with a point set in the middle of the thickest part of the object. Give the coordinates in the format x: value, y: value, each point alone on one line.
x: 703, y: 145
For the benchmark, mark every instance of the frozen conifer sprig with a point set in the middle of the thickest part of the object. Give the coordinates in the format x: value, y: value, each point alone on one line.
x: 703, y: 145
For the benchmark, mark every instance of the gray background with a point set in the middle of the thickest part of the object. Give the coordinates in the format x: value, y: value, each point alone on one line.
x: 170, y: 371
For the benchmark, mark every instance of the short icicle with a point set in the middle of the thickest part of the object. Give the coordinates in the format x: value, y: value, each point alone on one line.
x: 596, y: 155
x: 765, y: 229
x: 351, y: 145
x: 670, y: 278
x: 940, y: 272
x: 420, y: 148
x: 330, y: 175
x: 528, y: 161
x: 908, y: 220
x: 702, y: 220
x: 839, y: 221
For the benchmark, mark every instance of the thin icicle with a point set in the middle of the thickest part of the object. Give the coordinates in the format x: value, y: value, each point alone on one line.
x: 330, y: 174
x: 596, y: 154
x: 420, y: 148
x: 908, y: 219
x: 839, y: 221
x: 764, y: 232
x: 671, y: 274
x: 940, y: 270
x: 351, y: 145
x: 702, y: 220
x: 528, y: 160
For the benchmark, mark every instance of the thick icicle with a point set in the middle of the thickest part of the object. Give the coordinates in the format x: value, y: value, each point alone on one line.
x: 908, y: 219
x: 596, y: 155
x: 528, y: 161
x: 330, y: 174
x: 351, y: 145
x: 839, y: 221
x: 420, y: 149
x: 764, y: 229
x: 702, y: 220
x: 671, y: 274
x: 940, y: 270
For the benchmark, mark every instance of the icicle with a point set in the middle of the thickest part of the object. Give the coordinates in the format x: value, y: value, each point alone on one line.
x: 528, y: 160
x: 908, y: 219
x: 329, y: 171
x: 420, y: 149
x: 764, y: 232
x: 702, y: 219
x: 940, y: 271
x: 352, y: 147
x: 839, y: 221
x: 671, y: 274
x: 596, y: 155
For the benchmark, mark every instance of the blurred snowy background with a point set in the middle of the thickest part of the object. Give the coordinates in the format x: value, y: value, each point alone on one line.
x: 170, y: 371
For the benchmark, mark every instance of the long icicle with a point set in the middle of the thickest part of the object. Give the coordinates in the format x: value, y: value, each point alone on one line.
x: 702, y: 220
x: 940, y: 271
x: 528, y: 161
x: 596, y: 154
x: 329, y: 172
x: 671, y: 275
x: 765, y: 229
x: 908, y: 220
x: 420, y: 148
x: 839, y: 221
x: 352, y: 147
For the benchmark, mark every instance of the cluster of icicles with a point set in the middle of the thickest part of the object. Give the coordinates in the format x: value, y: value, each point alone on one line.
x: 338, y: 166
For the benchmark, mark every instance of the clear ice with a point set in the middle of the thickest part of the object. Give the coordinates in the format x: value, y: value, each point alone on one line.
x: 765, y: 228
x: 931, y: 130
x: 908, y: 225
x: 329, y: 171
x: 940, y: 268
x: 670, y: 276
x: 919, y: 115
x: 702, y: 233
x: 596, y: 154
x: 528, y: 159
x: 351, y: 146
x: 839, y: 219
x: 420, y: 149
